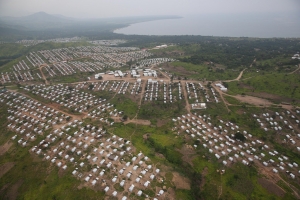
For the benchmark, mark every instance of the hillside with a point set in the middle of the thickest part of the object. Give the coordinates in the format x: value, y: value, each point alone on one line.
x: 100, y: 119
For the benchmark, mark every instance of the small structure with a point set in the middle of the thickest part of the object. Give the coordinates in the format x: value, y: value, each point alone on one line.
x: 2, y: 90
x: 139, y: 193
x: 131, y: 188
x: 197, y: 106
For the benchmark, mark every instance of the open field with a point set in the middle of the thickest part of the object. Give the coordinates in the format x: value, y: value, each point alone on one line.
x: 275, y: 87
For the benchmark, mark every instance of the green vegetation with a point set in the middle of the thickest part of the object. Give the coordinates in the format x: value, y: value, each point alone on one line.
x: 201, y: 72
x: 184, y: 195
x: 126, y: 105
x: 159, y: 110
x: 286, y: 87
x: 237, y: 182
x: 200, y: 58
x: 32, y: 178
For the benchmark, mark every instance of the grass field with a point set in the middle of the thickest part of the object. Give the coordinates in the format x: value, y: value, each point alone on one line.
x: 126, y: 105
x: 201, y: 72
x: 159, y: 110
x: 238, y: 181
x: 285, y: 86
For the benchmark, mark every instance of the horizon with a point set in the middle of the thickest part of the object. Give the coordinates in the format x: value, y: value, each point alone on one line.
x: 57, y: 15
x: 107, y: 9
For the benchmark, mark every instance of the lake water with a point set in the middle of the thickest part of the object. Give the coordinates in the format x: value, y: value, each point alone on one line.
x: 242, y: 25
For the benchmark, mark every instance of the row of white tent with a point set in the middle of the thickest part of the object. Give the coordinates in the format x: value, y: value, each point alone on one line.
x: 247, y: 150
x: 152, y: 61
x: 282, y: 125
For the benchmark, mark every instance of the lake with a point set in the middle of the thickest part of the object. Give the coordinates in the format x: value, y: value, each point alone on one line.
x: 262, y: 25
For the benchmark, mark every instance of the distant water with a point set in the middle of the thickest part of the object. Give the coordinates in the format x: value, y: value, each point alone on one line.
x: 243, y: 25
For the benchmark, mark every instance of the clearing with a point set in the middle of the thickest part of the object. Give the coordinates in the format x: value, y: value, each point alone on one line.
x: 271, y: 187
x: 12, y: 193
x: 253, y: 100
x: 4, y: 148
x: 181, y: 182
x: 5, y: 168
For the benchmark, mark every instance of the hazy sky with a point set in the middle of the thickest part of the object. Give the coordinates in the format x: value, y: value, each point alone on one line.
x: 120, y: 8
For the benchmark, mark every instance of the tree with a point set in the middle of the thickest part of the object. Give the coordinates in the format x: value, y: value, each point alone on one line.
x: 239, y: 136
x: 91, y: 86
x: 125, y: 117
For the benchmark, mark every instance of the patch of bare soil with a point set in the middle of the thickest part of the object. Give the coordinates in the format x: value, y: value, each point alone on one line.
x: 61, y: 172
x: 60, y: 109
x: 243, y: 85
x: 170, y: 53
x: 170, y: 193
x: 4, y: 148
x: 5, y: 168
x: 116, y: 119
x: 181, y: 182
x: 253, y: 100
x: 4, y: 188
x: 178, y: 70
x: 145, y: 136
x: 203, y: 175
x: 13, y: 190
x: 138, y: 121
x: 188, y: 154
x: 55, y: 106
x: 273, y: 97
x: 160, y: 155
x: 271, y: 187
x: 160, y: 122
x: 240, y: 111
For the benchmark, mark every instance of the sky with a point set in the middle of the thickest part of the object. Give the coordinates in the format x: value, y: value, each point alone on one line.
x: 122, y: 8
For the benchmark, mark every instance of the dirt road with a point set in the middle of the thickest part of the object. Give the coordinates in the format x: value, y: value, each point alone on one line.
x: 237, y: 78
x: 54, y: 106
x: 186, y: 97
x: 43, y: 75
x: 295, y: 70
x: 241, y: 73
x: 221, y: 95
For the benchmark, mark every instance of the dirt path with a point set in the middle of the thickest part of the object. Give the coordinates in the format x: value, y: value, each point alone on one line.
x: 259, y: 102
x: 186, y: 98
x: 291, y: 187
x: 295, y: 69
x: 12, y: 193
x: 220, y: 188
x: 43, y: 75
x: 4, y: 148
x: 241, y: 73
x: 78, y: 117
x: 165, y: 75
x: 237, y: 78
x: 138, y: 121
x: 271, y: 187
x: 134, y: 119
x: 221, y: 95
x: 252, y: 100
x: 141, y: 97
x: 274, y: 178
x: 6, y: 167
x: 181, y: 182
x: 252, y: 62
